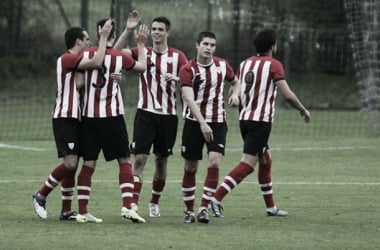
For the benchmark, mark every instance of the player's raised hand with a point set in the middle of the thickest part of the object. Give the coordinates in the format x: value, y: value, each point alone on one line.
x: 106, y: 29
x: 142, y: 34
x: 133, y: 20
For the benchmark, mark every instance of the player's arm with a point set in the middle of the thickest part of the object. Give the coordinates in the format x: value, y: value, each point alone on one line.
x: 141, y: 38
x: 292, y: 99
x: 233, y: 93
x: 97, y: 60
x: 188, y: 98
x: 132, y: 22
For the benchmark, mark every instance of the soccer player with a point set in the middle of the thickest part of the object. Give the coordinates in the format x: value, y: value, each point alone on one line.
x: 103, y: 124
x: 202, y: 85
x: 261, y: 77
x: 65, y: 117
x: 156, y: 116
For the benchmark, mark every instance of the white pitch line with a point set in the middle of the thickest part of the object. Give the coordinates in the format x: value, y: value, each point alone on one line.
x: 316, y: 183
x: 20, y: 147
x: 308, y: 148
x: 228, y: 149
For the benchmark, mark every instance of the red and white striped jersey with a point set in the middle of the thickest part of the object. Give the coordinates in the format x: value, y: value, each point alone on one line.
x: 102, y: 96
x: 207, y: 82
x: 257, y: 75
x: 67, y: 103
x: 155, y: 93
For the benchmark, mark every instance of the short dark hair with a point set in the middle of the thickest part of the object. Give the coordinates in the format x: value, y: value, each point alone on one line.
x: 204, y: 34
x: 264, y: 40
x: 71, y: 35
x: 101, y: 23
x: 163, y: 19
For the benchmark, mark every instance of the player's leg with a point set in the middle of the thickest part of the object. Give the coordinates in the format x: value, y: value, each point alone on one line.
x: 216, y: 150
x: 158, y: 185
x: 138, y: 170
x: 189, y: 184
x: 143, y: 136
x: 233, y: 178
x: 66, y: 134
x: 192, y: 144
x: 68, y: 188
x: 265, y: 183
x: 115, y: 145
x: 90, y: 149
x: 255, y: 140
x: 126, y: 187
x: 166, y: 133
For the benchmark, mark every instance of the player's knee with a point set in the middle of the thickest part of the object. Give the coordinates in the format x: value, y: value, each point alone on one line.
x: 71, y: 165
x: 213, y: 164
x: 140, y: 161
x: 267, y: 158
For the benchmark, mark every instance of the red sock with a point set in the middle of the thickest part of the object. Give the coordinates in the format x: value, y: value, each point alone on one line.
x: 84, y: 188
x: 236, y: 175
x: 54, y: 179
x: 209, y: 188
x: 137, y: 189
x: 126, y: 184
x: 188, y: 189
x: 265, y: 180
x: 67, y: 190
x: 157, y: 188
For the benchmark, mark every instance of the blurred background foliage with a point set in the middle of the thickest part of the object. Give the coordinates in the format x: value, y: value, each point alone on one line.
x: 314, y: 43
x: 314, y: 36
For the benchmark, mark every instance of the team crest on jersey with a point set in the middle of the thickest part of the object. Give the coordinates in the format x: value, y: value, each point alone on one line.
x: 170, y: 60
x: 152, y: 68
x: 71, y: 145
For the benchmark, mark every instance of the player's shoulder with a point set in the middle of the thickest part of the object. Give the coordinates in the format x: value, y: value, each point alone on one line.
x: 67, y: 54
x: 67, y: 57
x: 220, y: 59
x: 261, y: 58
x: 189, y: 65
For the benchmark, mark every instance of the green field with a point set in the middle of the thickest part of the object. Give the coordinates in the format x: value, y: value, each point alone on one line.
x: 326, y: 173
x: 329, y: 186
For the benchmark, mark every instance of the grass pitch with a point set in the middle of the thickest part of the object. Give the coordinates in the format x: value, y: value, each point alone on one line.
x: 330, y: 188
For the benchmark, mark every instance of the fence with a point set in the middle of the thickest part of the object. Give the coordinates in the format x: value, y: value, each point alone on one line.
x: 314, y: 46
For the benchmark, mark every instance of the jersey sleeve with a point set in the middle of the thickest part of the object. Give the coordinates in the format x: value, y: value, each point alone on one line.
x: 71, y: 61
x: 230, y: 74
x: 128, y: 62
x: 182, y: 60
x: 135, y: 53
x: 278, y: 71
x: 186, y: 76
